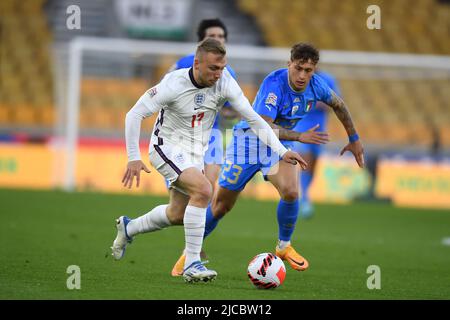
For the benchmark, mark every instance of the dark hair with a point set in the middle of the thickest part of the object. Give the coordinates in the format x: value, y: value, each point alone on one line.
x: 304, y: 52
x: 211, y: 45
x: 209, y: 23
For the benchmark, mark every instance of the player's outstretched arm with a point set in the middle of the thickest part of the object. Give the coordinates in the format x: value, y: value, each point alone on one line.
x: 267, y: 135
x: 314, y: 137
x: 258, y: 125
x: 354, y: 146
x: 133, y: 122
x: 311, y: 136
x: 149, y: 103
x: 228, y: 113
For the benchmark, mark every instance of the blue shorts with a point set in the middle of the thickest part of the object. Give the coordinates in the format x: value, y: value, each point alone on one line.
x: 304, y: 125
x: 214, y: 154
x: 245, y: 156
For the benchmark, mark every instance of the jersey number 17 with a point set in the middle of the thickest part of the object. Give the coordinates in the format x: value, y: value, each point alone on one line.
x: 198, y: 118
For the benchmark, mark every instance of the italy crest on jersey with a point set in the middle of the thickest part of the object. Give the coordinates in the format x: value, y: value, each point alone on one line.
x: 294, y: 110
x: 309, y: 105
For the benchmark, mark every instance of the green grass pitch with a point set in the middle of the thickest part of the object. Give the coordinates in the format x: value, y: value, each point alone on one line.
x: 44, y: 232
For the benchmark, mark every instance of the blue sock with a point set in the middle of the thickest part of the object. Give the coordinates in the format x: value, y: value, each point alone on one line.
x: 287, y: 214
x: 305, y: 183
x: 211, y: 222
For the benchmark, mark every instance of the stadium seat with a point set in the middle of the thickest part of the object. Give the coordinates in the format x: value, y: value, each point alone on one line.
x: 5, y: 117
x: 411, y: 22
x: 26, y: 69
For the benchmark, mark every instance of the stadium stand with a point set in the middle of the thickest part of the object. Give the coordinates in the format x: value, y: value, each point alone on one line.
x: 410, y: 110
x: 25, y: 73
x: 405, y: 27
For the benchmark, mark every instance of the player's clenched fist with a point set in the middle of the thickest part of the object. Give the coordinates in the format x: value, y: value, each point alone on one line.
x: 133, y: 169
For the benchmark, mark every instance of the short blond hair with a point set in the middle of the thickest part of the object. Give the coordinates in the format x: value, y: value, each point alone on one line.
x: 211, y: 45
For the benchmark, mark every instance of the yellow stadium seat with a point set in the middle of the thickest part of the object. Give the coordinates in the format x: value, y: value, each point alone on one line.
x: 248, y: 6
x: 5, y: 114
x: 46, y: 115
x: 8, y: 7
x: 24, y: 114
x: 445, y: 136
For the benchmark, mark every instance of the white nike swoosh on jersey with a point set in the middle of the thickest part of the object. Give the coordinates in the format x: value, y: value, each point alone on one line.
x: 268, y: 107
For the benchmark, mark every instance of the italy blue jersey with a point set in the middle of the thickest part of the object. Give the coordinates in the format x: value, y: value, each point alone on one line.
x: 277, y: 100
x: 187, y: 62
x: 316, y: 116
x: 330, y: 81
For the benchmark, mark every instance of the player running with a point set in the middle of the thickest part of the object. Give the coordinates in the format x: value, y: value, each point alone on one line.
x: 187, y: 101
x: 215, y: 29
x: 285, y: 97
x: 311, y: 152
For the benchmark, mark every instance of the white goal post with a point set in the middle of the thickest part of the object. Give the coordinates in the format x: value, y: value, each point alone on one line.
x: 250, y: 55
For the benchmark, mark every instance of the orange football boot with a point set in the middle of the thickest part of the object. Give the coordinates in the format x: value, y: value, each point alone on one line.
x: 178, y: 268
x: 296, y: 261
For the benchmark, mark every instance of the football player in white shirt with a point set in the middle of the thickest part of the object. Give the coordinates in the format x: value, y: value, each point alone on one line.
x: 216, y: 29
x: 188, y: 101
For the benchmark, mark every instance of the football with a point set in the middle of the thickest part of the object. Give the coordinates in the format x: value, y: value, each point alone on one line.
x: 266, y: 271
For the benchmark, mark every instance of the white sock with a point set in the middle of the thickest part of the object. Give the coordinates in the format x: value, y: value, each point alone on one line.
x: 283, y: 244
x: 154, y: 220
x: 194, y: 228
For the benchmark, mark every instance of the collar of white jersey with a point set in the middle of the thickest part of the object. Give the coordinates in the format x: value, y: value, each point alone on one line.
x: 195, y: 83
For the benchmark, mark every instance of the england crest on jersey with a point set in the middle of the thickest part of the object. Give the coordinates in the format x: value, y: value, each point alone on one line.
x: 199, y: 98
x: 179, y: 158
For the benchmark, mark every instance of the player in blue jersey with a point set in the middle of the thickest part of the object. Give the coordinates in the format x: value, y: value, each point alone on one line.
x: 311, y: 152
x: 285, y: 97
x: 216, y: 29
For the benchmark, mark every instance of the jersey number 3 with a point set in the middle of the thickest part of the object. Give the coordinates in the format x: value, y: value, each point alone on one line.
x: 198, y: 118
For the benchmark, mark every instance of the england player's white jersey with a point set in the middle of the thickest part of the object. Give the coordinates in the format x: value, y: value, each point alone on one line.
x: 187, y: 112
x: 188, y: 116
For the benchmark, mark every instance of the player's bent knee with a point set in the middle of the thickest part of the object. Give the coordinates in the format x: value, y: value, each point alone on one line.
x: 202, y: 194
x: 289, y: 194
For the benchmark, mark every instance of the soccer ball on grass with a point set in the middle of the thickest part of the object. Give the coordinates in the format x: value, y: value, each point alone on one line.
x: 266, y: 271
